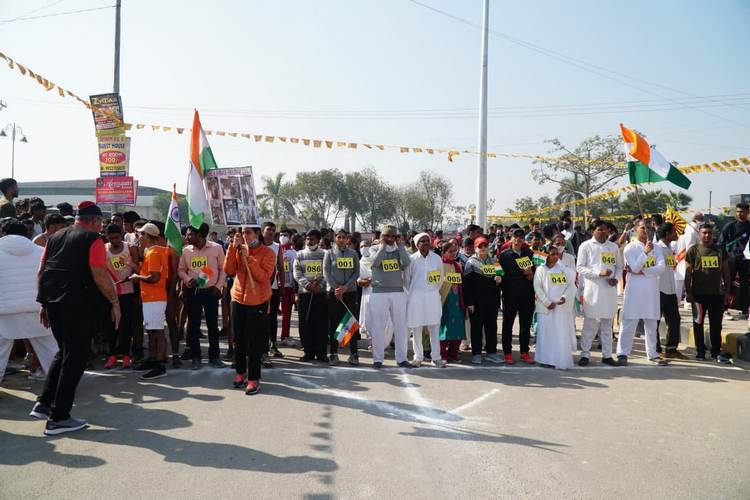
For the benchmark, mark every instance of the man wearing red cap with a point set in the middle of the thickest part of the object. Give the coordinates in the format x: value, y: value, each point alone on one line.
x: 73, y: 286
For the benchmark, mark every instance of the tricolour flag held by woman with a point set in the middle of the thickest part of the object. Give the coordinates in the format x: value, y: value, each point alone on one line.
x: 646, y: 164
x: 201, y: 161
x: 348, y: 328
x: 172, y: 226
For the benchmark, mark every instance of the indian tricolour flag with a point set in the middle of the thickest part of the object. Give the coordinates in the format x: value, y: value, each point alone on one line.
x: 348, y: 328
x: 201, y: 161
x: 172, y: 226
x: 646, y: 164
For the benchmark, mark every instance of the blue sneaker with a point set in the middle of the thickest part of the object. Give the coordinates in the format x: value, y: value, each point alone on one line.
x: 196, y: 364
x: 68, y: 425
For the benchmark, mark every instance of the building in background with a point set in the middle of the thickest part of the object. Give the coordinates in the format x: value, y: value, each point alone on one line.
x: 734, y: 199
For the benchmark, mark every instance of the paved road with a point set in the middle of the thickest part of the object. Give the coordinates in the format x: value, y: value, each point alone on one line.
x: 318, y: 432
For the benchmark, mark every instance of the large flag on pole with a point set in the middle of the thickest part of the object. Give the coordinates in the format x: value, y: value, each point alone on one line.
x: 646, y: 164
x: 201, y: 161
x: 172, y: 226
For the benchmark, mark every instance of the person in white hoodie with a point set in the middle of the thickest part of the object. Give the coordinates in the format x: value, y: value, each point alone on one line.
x: 19, y: 310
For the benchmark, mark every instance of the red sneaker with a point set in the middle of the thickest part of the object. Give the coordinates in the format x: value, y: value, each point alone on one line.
x: 509, y: 359
x: 111, y: 362
x: 239, y: 380
x: 126, y: 362
x: 526, y: 358
x: 252, y: 387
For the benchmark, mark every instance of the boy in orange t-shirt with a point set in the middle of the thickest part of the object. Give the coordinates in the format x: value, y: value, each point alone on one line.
x: 153, y: 280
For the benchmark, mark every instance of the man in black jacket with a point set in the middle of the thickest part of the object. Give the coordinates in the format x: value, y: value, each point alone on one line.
x: 518, y: 296
x: 733, y: 240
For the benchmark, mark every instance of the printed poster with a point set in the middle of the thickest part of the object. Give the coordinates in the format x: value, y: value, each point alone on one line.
x: 231, y: 196
x: 114, y: 155
x: 107, y: 111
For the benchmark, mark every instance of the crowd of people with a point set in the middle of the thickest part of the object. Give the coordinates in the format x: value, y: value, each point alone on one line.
x: 78, y: 279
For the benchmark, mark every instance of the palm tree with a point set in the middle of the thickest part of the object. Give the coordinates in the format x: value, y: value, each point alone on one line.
x: 277, y: 192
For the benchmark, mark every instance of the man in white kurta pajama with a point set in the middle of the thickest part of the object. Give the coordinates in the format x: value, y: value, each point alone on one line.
x: 424, y: 307
x: 644, y: 265
x: 599, y: 266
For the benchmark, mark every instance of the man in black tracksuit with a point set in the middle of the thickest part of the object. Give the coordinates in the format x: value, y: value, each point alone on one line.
x: 518, y: 295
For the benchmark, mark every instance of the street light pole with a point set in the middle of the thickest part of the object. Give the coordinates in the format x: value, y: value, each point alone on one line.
x: 482, y: 160
x: 14, y: 131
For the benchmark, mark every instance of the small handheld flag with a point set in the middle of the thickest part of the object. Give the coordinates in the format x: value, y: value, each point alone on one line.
x: 347, y: 329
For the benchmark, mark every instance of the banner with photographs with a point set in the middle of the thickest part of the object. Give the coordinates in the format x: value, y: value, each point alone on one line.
x: 231, y: 195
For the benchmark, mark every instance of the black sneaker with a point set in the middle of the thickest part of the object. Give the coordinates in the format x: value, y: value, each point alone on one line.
x: 353, y: 360
x: 68, y: 425
x: 145, y: 365
x: 610, y: 362
x: 724, y: 359
x: 428, y: 355
x: 333, y: 359
x: 405, y: 364
x: 275, y: 351
x: 157, y: 372
x: 186, y: 355
x: 266, y: 361
x: 176, y: 363
x: 40, y: 411
x: 701, y: 356
x: 229, y: 356
x: 195, y: 364
x: 323, y: 358
x: 377, y: 365
x: 583, y: 361
x: 307, y: 358
x: 217, y: 363
x: 622, y: 360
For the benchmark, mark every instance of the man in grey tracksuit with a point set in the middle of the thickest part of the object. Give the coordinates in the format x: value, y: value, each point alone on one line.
x: 388, y: 299
x: 341, y: 271
x: 313, y: 309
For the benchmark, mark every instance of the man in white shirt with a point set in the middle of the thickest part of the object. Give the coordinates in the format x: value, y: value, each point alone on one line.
x: 668, y: 292
x: 599, y: 266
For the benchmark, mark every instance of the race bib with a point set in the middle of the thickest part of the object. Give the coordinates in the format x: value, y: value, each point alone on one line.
x: 286, y: 266
x: 433, y: 277
x: 453, y: 278
x: 344, y: 262
x: 118, y: 263
x: 198, y: 262
x: 488, y: 269
x: 314, y: 267
x: 671, y: 261
x: 608, y: 259
x: 650, y: 262
x: 710, y: 261
x: 390, y: 265
x: 523, y: 263
x: 559, y: 278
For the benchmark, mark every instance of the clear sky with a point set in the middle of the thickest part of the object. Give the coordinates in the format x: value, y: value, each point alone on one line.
x: 381, y: 72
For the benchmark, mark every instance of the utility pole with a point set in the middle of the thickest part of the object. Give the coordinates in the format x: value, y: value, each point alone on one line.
x: 482, y: 165
x: 116, y: 86
x: 709, y: 201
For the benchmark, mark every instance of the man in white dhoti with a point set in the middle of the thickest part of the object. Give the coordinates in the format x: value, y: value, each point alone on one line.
x: 643, y: 265
x: 599, y: 266
x: 555, y: 289
x: 424, y: 308
x: 388, y: 299
x: 19, y: 310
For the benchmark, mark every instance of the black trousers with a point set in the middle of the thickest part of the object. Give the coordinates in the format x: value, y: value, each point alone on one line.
x: 523, y: 306
x: 741, y: 266
x: 336, y: 312
x: 273, y: 317
x: 483, y: 320
x: 198, y: 302
x: 671, y: 312
x: 313, y: 323
x: 250, y: 324
x: 73, y: 328
x: 714, y: 306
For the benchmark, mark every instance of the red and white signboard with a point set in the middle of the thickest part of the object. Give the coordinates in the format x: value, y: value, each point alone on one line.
x: 116, y: 190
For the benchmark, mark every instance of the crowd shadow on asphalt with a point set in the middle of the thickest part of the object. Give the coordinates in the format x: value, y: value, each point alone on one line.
x: 134, y: 424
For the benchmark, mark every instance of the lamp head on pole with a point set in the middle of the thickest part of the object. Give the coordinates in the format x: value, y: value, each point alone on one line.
x: 23, y: 139
x: 3, y: 134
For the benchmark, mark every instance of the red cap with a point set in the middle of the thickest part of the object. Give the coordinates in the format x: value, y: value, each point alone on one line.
x: 481, y: 241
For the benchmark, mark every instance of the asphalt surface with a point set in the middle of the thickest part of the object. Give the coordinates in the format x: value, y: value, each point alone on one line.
x: 318, y: 432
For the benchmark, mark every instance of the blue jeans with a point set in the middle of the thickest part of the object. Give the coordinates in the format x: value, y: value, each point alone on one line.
x: 198, y: 302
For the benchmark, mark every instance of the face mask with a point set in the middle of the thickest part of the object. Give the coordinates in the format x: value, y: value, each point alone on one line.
x: 312, y: 248
x: 365, y: 251
x: 390, y: 248
x: 284, y: 240
x: 561, y: 249
x: 254, y: 244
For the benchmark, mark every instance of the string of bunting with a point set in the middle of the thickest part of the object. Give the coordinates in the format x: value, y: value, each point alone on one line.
x: 741, y: 164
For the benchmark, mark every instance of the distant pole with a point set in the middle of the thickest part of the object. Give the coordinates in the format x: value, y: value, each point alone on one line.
x: 13, y: 154
x: 709, y: 201
x: 116, y: 86
x: 482, y: 165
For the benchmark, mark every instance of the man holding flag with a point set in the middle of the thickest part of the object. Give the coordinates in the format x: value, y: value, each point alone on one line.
x: 341, y: 270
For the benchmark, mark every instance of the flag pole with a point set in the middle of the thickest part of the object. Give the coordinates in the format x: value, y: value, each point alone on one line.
x: 638, y: 197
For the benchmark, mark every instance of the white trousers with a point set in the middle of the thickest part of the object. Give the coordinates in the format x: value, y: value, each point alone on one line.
x: 45, y: 348
x: 627, y: 333
x: 434, y: 342
x: 590, y: 327
x: 384, y: 307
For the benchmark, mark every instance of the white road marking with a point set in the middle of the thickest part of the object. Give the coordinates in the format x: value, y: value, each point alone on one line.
x: 475, y: 402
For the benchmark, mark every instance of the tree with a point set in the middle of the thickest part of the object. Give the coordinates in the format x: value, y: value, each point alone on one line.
x: 161, y: 205
x: 278, y: 193
x: 590, y: 166
x: 318, y: 196
x: 436, y: 197
x: 524, y: 204
x: 368, y: 197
